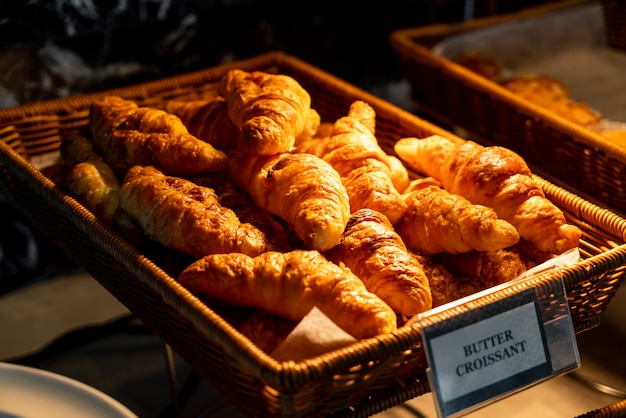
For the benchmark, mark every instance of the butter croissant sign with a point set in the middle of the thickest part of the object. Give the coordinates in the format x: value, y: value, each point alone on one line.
x: 480, y: 354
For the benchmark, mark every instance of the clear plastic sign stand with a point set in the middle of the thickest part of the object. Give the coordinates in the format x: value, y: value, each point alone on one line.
x: 495, y: 343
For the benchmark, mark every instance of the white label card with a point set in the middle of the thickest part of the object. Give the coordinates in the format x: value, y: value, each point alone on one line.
x: 486, y: 352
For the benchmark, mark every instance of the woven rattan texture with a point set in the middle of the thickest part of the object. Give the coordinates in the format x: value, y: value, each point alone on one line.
x: 559, y: 150
x: 359, y: 380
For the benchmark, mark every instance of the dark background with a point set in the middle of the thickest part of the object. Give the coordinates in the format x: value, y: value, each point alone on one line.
x: 58, y: 48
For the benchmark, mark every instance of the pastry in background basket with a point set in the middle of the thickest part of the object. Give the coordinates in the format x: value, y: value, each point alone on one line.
x: 546, y: 91
x: 91, y: 181
x: 373, y: 251
x: 439, y: 221
x: 127, y: 135
x: 300, y: 188
x: 497, y: 177
x: 185, y: 216
x: 553, y: 95
x: 290, y: 285
x: 270, y: 110
x: 483, y: 65
x: 353, y: 151
x: 618, y: 136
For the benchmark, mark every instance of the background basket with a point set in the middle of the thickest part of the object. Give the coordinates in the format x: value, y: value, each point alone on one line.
x: 615, y: 21
x: 559, y: 150
x: 364, y: 378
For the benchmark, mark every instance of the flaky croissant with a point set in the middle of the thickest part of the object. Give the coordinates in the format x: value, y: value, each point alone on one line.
x: 290, y: 285
x: 496, y: 177
x: 235, y: 198
x: 271, y: 110
x: 93, y: 183
x: 207, y: 120
x: 302, y: 189
x: 445, y: 286
x: 493, y: 267
x: 438, y: 221
x: 127, y: 135
x: 353, y: 150
x: 373, y: 251
x: 186, y: 217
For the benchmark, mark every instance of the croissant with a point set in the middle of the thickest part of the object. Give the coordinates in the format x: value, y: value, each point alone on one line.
x: 186, y: 217
x: 354, y: 152
x: 246, y: 209
x: 399, y: 174
x: 267, y: 331
x: 447, y: 287
x: 444, y: 287
x: 127, y: 135
x: 553, y: 95
x: 496, y: 177
x: 302, y: 189
x: 270, y: 110
x: 438, y: 221
x: 494, y: 267
x: 290, y: 285
x: 373, y: 251
x: 93, y: 183
x: 207, y: 120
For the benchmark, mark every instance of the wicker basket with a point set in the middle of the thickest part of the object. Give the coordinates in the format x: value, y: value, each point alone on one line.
x: 615, y: 21
x: 559, y: 150
x: 359, y: 380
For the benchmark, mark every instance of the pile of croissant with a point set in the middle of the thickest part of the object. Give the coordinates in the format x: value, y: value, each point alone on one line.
x: 277, y: 211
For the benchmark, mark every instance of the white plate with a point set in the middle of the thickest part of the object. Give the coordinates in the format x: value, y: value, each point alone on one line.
x: 27, y: 392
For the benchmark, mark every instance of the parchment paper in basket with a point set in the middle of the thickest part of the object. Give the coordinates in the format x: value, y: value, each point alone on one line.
x: 315, y: 334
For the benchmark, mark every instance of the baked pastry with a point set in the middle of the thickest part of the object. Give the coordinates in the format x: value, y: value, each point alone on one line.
x: 300, y: 188
x: 481, y: 64
x: 399, y: 174
x: 437, y: 221
x: 93, y: 183
x: 353, y: 150
x: 373, y: 251
x: 493, y: 267
x: 495, y: 177
x: 290, y: 285
x: 207, y: 120
x: 551, y: 94
x: 235, y: 198
x: 127, y: 135
x: 270, y: 110
x: 186, y: 217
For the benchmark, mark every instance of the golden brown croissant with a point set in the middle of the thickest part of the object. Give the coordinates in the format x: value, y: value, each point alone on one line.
x: 496, y: 177
x: 93, y: 183
x: 373, y: 251
x: 129, y: 135
x: 290, y: 285
x: 446, y: 287
x: 494, y: 267
x: 553, y: 95
x: 399, y: 174
x: 207, y: 120
x: 267, y: 331
x: 302, y: 189
x: 271, y: 110
x: 438, y: 221
x: 354, y: 152
x: 233, y: 197
x: 186, y: 217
